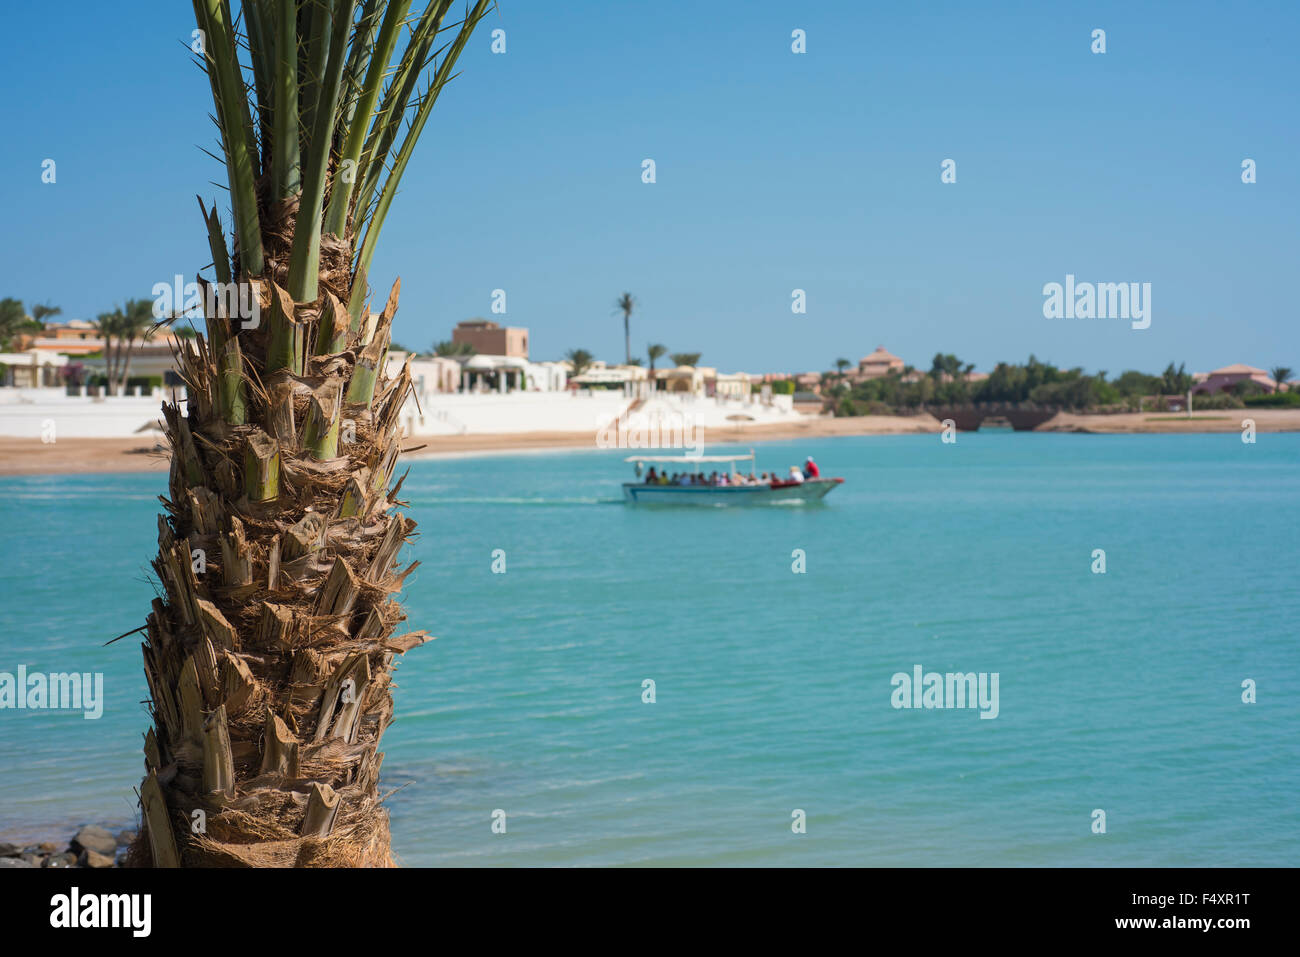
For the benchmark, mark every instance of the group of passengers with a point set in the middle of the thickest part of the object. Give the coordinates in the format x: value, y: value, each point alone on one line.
x: 699, y: 478
x: 808, y: 471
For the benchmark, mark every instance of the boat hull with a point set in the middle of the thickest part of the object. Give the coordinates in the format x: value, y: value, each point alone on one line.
x: 813, y: 490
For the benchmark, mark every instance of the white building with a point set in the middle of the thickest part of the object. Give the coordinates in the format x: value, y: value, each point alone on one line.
x: 31, y: 368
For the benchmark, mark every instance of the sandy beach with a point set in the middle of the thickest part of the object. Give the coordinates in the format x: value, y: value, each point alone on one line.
x: 1217, y: 420
x: 91, y: 456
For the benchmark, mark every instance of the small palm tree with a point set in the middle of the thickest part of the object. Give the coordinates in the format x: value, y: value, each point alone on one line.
x: 654, y: 351
x: 1280, y: 376
x: 13, y: 318
x: 108, y: 324
x: 841, y: 365
x: 453, y: 350
x: 625, y: 303
x: 580, y: 359
x: 136, y: 322
x: 123, y: 325
x: 43, y: 311
x: 686, y: 358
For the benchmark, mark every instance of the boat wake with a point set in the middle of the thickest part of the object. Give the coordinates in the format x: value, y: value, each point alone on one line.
x: 544, y: 502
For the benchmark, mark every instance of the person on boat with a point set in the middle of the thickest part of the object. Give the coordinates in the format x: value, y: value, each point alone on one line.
x: 795, y: 475
x: 810, y: 469
x: 652, y: 477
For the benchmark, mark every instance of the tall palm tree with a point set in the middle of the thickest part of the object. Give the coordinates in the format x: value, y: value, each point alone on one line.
x: 625, y: 303
x: 269, y: 652
x: 841, y: 365
x: 1280, y: 376
x: 107, y: 324
x: 126, y: 324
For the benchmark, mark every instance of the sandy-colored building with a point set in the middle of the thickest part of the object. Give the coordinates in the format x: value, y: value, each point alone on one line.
x: 880, y: 363
x: 1227, y: 377
x: 490, y: 339
x: 808, y: 382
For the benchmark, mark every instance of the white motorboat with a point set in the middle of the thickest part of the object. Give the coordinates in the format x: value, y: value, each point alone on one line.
x: 735, y: 491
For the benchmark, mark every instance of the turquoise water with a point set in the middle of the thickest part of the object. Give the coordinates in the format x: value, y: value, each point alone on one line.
x: 1119, y: 692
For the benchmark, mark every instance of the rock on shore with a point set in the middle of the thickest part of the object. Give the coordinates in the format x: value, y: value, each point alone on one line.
x: 91, y: 846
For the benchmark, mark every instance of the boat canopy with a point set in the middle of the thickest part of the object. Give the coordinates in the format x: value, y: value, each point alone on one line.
x: 690, y: 458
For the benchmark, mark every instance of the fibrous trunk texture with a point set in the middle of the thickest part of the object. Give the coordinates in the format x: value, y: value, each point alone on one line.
x: 269, y: 658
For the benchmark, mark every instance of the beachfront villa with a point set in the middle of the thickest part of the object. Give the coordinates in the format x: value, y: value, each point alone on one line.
x: 31, y: 368
x: 601, y: 375
x: 704, y: 381
x: 1207, y: 383
x: 732, y: 384
x: 879, y: 364
x: 685, y: 380
x: 76, y: 339
x: 480, y: 374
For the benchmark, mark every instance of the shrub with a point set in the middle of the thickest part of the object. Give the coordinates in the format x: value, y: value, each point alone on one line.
x: 1219, y: 400
x: 1274, y: 400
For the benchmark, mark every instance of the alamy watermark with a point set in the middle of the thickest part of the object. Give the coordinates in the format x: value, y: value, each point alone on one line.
x: 932, y: 690
x: 128, y: 911
x: 189, y: 300
x: 673, y: 430
x: 1103, y: 300
x: 62, y: 691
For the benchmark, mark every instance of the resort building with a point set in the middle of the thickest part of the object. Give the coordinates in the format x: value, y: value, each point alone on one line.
x: 600, y: 375
x: 428, y: 374
x: 489, y: 339
x: 1228, y: 377
x: 74, y: 337
x: 879, y: 364
x: 479, y: 374
x: 733, y: 385
x: 75, y: 340
x: 685, y: 380
x: 31, y: 368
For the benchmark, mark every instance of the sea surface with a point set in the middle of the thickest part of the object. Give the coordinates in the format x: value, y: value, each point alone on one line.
x: 1118, y: 692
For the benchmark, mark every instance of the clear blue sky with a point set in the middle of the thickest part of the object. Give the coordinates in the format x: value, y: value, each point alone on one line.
x: 775, y: 171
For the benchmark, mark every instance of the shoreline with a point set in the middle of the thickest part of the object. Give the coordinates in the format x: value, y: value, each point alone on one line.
x: 79, y: 456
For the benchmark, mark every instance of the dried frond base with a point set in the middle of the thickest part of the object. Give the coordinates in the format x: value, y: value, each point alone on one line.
x: 269, y: 661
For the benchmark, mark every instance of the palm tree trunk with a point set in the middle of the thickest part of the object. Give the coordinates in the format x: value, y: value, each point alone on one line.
x: 269, y: 653
x: 627, y: 338
x: 126, y: 363
x: 110, y: 365
x: 269, y: 660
